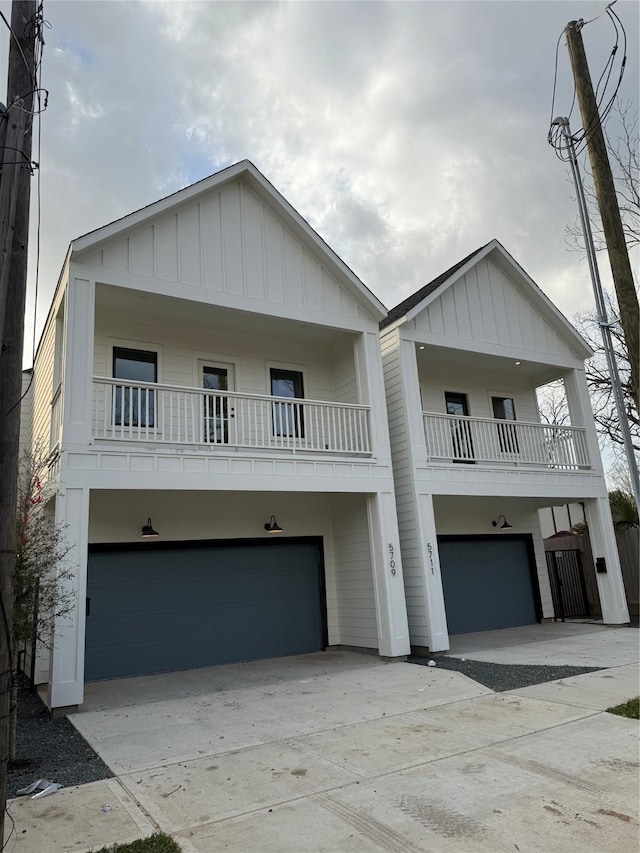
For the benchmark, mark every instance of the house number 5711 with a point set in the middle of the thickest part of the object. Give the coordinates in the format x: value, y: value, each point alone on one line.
x: 392, y: 562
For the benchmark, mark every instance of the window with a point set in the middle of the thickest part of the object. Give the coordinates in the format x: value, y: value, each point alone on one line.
x: 504, y: 410
x: 288, y: 418
x: 461, y: 436
x: 134, y: 405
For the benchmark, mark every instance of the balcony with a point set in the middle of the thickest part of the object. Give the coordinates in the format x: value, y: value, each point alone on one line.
x: 488, y: 441
x: 216, y: 420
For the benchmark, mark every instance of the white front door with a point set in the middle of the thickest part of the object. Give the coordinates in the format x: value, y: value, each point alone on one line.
x: 217, y: 408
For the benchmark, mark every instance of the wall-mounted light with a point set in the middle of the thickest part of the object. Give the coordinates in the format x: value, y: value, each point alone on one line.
x: 421, y: 347
x: 501, y: 523
x: 272, y: 526
x: 147, y: 530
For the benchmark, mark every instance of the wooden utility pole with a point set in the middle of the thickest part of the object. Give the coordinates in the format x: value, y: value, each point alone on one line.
x: 16, y: 178
x: 607, y: 201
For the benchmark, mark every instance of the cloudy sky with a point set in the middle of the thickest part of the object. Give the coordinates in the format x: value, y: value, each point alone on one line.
x: 407, y: 134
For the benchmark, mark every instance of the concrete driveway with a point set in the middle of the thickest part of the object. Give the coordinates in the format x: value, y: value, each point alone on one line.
x: 338, y: 752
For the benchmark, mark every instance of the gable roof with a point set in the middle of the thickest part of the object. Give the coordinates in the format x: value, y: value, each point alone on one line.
x: 417, y: 302
x: 245, y: 169
x: 416, y: 298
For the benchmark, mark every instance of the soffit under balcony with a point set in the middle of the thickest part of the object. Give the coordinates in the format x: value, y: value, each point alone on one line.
x: 436, y: 361
x: 153, y: 313
x: 234, y: 234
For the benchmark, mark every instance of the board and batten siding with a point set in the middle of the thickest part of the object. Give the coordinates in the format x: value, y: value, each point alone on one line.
x: 404, y: 488
x: 479, y: 386
x: 353, y: 579
x: 486, y: 306
x: 229, y: 241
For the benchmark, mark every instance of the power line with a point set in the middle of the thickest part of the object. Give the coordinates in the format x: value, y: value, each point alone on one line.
x: 604, y: 102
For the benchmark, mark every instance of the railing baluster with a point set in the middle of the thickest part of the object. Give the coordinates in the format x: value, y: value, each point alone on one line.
x: 496, y: 441
x: 173, y: 414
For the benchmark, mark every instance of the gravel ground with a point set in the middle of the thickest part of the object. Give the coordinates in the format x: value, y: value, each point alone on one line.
x: 502, y: 676
x: 50, y: 749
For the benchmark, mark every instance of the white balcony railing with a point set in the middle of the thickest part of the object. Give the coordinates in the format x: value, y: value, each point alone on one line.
x: 174, y: 414
x: 489, y: 441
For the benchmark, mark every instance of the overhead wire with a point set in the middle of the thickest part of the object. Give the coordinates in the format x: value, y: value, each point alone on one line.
x: 604, y: 102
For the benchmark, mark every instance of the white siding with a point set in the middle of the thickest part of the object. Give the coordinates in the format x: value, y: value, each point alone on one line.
x: 486, y: 306
x: 346, y: 382
x: 182, y: 346
x: 26, y: 410
x: 404, y: 489
x: 232, y: 242
x: 353, y: 572
x: 472, y: 515
x: 479, y: 386
x: 42, y: 388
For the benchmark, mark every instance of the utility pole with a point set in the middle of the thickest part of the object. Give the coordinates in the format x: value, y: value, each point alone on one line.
x: 607, y: 201
x: 601, y: 308
x: 16, y: 178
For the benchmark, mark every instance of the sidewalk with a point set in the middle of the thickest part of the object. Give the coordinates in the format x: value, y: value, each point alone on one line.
x: 353, y: 754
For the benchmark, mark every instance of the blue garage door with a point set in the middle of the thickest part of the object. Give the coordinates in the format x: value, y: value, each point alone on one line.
x: 166, y: 609
x: 487, y: 584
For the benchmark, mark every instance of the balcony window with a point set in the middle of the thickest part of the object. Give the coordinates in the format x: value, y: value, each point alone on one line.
x: 504, y: 409
x: 288, y: 420
x: 134, y: 406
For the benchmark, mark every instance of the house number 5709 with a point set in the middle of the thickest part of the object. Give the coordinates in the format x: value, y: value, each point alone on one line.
x: 392, y: 562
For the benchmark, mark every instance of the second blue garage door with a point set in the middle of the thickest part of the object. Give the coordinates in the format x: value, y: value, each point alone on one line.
x: 487, y: 583
x: 162, y: 609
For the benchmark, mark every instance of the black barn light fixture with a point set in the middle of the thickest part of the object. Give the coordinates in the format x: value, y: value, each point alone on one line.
x: 502, y: 523
x: 272, y: 526
x: 147, y: 530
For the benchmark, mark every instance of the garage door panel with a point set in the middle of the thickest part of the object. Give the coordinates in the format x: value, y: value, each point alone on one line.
x: 156, y: 611
x: 487, y: 584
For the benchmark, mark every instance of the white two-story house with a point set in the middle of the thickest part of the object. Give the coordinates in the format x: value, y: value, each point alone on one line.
x: 210, y: 373
x: 473, y: 464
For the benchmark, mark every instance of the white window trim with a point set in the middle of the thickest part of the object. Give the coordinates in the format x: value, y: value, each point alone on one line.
x: 215, y: 360
x: 114, y: 343
x: 283, y: 365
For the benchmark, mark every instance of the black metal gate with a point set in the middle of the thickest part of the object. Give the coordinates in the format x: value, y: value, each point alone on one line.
x: 568, y: 587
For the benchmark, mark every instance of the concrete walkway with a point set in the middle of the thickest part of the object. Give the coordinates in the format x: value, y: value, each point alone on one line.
x: 551, y: 644
x: 339, y: 752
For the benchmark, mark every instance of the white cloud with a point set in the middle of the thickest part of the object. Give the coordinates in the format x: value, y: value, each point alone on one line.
x: 408, y: 134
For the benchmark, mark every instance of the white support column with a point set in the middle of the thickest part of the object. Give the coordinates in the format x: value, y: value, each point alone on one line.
x: 371, y: 392
x: 613, y: 600
x: 432, y: 578
x: 391, y: 609
x: 66, y: 675
x: 581, y: 413
x: 412, y: 402
x: 78, y: 357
